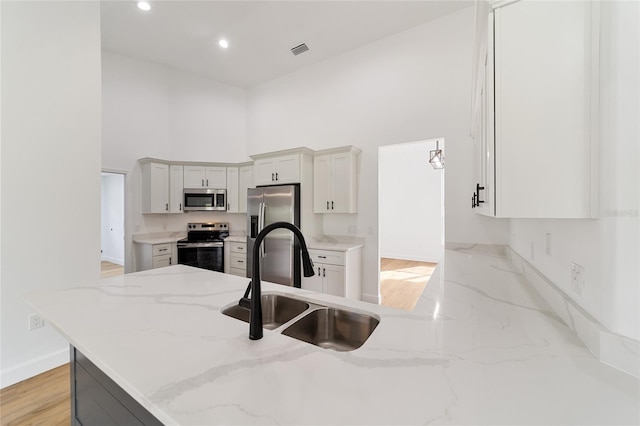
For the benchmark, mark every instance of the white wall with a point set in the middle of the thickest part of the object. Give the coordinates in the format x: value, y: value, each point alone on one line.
x: 112, y: 218
x: 50, y: 143
x: 412, y: 86
x: 150, y: 110
x: 608, y: 247
x: 410, y: 202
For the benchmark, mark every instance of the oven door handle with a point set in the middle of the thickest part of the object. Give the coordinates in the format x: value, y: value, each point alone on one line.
x: 201, y: 245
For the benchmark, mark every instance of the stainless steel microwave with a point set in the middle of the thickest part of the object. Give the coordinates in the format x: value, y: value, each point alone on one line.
x: 205, y: 199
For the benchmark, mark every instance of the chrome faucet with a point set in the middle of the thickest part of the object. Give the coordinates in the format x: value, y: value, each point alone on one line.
x: 254, y: 304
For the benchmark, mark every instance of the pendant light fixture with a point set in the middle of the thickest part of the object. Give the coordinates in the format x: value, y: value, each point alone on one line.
x: 436, y: 157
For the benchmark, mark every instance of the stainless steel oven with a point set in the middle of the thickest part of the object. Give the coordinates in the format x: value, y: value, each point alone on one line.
x: 204, y: 246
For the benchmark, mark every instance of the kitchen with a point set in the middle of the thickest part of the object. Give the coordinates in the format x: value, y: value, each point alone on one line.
x: 377, y: 94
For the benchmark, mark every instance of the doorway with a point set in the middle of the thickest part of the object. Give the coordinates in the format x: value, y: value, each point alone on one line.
x: 112, y: 224
x: 410, y: 220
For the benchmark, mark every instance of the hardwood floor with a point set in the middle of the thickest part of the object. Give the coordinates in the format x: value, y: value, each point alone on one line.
x: 40, y: 400
x: 109, y: 269
x: 402, y: 282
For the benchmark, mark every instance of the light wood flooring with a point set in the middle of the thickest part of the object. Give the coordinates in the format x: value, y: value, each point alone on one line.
x: 40, y: 400
x: 402, y: 282
x: 109, y: 269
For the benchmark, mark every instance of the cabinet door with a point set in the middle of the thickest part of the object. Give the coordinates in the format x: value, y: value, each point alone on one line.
x: 342, y: 184
x: 194, y: 176
x: 232, y: 190
x: 321, y: 185
x: 265, y: 171
x: 245, y: 181
x: 542, y: 97
x: 288, y: 169
x: 176, y: 186
x: 215, y: 177
x: 333, y: 279
x: 159, y: 188
x: 313, y: 283
x: 161, y: 261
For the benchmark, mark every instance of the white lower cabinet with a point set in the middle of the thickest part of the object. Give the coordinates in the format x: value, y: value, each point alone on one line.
x: 336, y: 272
x: 151, y: 256
x: 235, y: 258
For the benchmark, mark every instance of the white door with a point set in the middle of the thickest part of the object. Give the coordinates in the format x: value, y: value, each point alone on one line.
x: 265, y: 171
x: 194, y: 176
x: 159, y: 188
x: 333, y: 278
x: 245, y: 181
x: 232, y: 190
x: 176, y: 186
x: 288, y: 169
x: 340, y: 183
x: 216, y: 177
x: 321, y: 178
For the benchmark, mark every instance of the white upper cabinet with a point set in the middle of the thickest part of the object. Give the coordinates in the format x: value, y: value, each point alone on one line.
x: 176, y: 186
x: 245, y: 181
x: 239, y: 179
x: 155, y: 188
x: 277, y: 170
x: 538, y: 160
x: 205, y: 177
x: 232, y: 190
x: 335, y: 173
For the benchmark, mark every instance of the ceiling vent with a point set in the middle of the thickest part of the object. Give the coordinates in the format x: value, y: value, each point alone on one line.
x: 299, y: 49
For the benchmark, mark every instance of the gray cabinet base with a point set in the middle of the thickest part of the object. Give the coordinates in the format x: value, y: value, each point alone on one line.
x: 98, y: 400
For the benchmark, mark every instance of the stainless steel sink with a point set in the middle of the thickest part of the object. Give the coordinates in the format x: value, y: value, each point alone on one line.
x: 333, y: 328
x: 276, y: 310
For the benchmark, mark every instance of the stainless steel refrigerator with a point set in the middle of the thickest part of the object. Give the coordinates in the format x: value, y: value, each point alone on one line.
x: 280, y: 251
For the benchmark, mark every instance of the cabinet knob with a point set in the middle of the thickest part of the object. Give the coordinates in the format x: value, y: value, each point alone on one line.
x: 276, y: 176
x: 318, y: 271
x: 166, y: 207
x: 202, y: 182
x: 327, y: 205
x: 180, y: 206
x: 332, y: 205
x: 207, y: 182
x: 324, y: 272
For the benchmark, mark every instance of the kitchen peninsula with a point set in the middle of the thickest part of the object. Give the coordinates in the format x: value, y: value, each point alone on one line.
x: 481, y: 347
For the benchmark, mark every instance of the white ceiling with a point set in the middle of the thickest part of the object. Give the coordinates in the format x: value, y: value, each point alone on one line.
x: 184, y: 34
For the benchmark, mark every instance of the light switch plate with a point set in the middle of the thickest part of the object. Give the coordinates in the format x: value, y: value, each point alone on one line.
x: 577, y: 278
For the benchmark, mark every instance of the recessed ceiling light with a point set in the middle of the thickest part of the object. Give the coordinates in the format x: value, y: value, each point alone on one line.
x: 143, y: 5
x: 223, y: 43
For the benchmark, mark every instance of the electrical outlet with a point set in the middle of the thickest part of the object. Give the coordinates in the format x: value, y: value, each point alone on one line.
x: 577, y: 278
x: 547, y: 245
x: 35, y: 321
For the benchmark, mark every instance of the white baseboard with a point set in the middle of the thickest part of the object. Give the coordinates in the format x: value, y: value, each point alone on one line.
x: 429, y: 259
x: 610, y: 348
x: 113, y: 260
x: 33, y: 367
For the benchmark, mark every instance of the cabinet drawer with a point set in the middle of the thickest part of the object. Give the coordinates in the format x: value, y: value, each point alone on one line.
x: 238, y: 261
x: 238, y: 247
x: 160, y: 249
x: 161, y: 261
x: 326, y: 256
x: 238, y: 272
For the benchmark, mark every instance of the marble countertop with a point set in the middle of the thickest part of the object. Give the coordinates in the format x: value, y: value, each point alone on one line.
x: 481, y: 347
x: 236, y: 238
x: 159, y: 237
x: 334, y: 243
